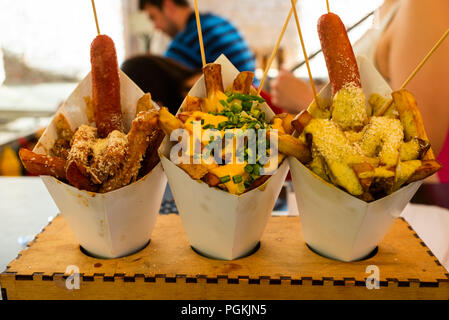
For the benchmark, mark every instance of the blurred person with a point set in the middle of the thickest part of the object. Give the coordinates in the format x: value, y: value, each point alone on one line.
x: 403, y: 33
x: 177, y: 19
x: 169, y: 77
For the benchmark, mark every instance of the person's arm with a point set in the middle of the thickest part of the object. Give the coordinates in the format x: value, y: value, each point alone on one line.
x: 290, y: 93
x: 416, y: 28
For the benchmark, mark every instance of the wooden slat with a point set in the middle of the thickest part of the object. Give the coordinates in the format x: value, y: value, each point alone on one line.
x: 282, y: 268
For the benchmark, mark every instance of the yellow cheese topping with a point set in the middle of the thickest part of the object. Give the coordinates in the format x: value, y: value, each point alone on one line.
x: 383, y: 137
x: 349, y: 108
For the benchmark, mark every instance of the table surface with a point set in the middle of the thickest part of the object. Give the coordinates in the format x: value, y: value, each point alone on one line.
x: 26, y: 207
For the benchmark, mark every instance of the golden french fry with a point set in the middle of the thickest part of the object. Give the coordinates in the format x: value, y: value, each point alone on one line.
x: 301, y: 121
x: 196, y: 171
x: 404, y: 171
x: 144, y: 103
x: 78, y: 179
x: 193, y: 103
x: 258, y: 182
x: 414, y: 149
x: 151, y: 158
x: 242, y: 83
x: 383, y: 181
x: 287, y: 119
x: 318, y: 165
x: 292, y: 146
x: 411, y: 118
x: 183, y: 116
x: 211, y: 179
x: 213, y: 78
x: 138, y: 140
x: 64, y: 133
x: 42, y: 165
x: 427, y: 168
x: 168, y: 122
x: 367, y: 197
x: 362, y: 168
x: 382, y: 106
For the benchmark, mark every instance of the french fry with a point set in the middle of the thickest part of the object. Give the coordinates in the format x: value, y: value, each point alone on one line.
x: 258, y: 182
x: 383, y: 137
x: 292, y: 146
x: 382, y: 180
x: 427, y: 168
x: 42, y: 165
x: 318, y: 165
x: 416, y: 148
x: 77, y: 179
x: 183, y: 116
x: 367, y: 197
x: 213, y: 79
x: 382, y: 106
x: 168, y: 122
x: 196, y: 171
x: 138, y: 140
x: 151, y: 158
x: 211, y: 179
x: 287, y: 119
x: 242, y: 83
x: 404, y: 171
x: 193, y: 103
x: 144, y: 103
x: 360, y: 170
x: 301, y: 121
x: 411, y: 118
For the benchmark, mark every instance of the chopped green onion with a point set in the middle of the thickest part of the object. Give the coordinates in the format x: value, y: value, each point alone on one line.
x: 237, y: 178
x: 236, y: 108
x: 247, y: 105
x: 224, y: 103
x: 249, y: 168
x: 208, y: 126
x: 256, y: 169
x: 225, y: 179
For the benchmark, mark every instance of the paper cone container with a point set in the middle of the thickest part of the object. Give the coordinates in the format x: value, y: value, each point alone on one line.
x: 219, y: 224
x: 116, y: 223
x: 335, y: 223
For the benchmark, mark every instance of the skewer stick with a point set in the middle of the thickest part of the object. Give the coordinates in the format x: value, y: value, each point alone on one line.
x: 412, y: 75
x: 327, y: 4
x: 276, y: 47
x: 304, y: 52
x: 96, y: 18
x: 200, y: 33
x: 435, y: 47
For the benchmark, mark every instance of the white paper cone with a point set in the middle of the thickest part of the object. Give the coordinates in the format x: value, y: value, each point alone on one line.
x: 335, y: 223
x: 219, y: 224
x: 116, y: 223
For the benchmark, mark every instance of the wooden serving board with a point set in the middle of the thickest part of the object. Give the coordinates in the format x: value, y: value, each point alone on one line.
x: 282, y: 268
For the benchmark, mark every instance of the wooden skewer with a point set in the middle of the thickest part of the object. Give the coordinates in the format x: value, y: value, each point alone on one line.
x: 327, y: 4
x: 200, y: 33
x: 413, y: 74
x: 304, y: 52
x: 276, y: 47
x: 96, y: 18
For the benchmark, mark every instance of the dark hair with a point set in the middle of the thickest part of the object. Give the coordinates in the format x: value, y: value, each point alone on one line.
x: 160, y: 76
x: 158, y: 3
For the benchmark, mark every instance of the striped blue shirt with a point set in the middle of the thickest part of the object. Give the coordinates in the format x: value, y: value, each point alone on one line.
x: 219, y: 37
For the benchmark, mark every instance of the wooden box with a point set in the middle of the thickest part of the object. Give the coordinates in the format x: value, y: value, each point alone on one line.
x: 282, y: 268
